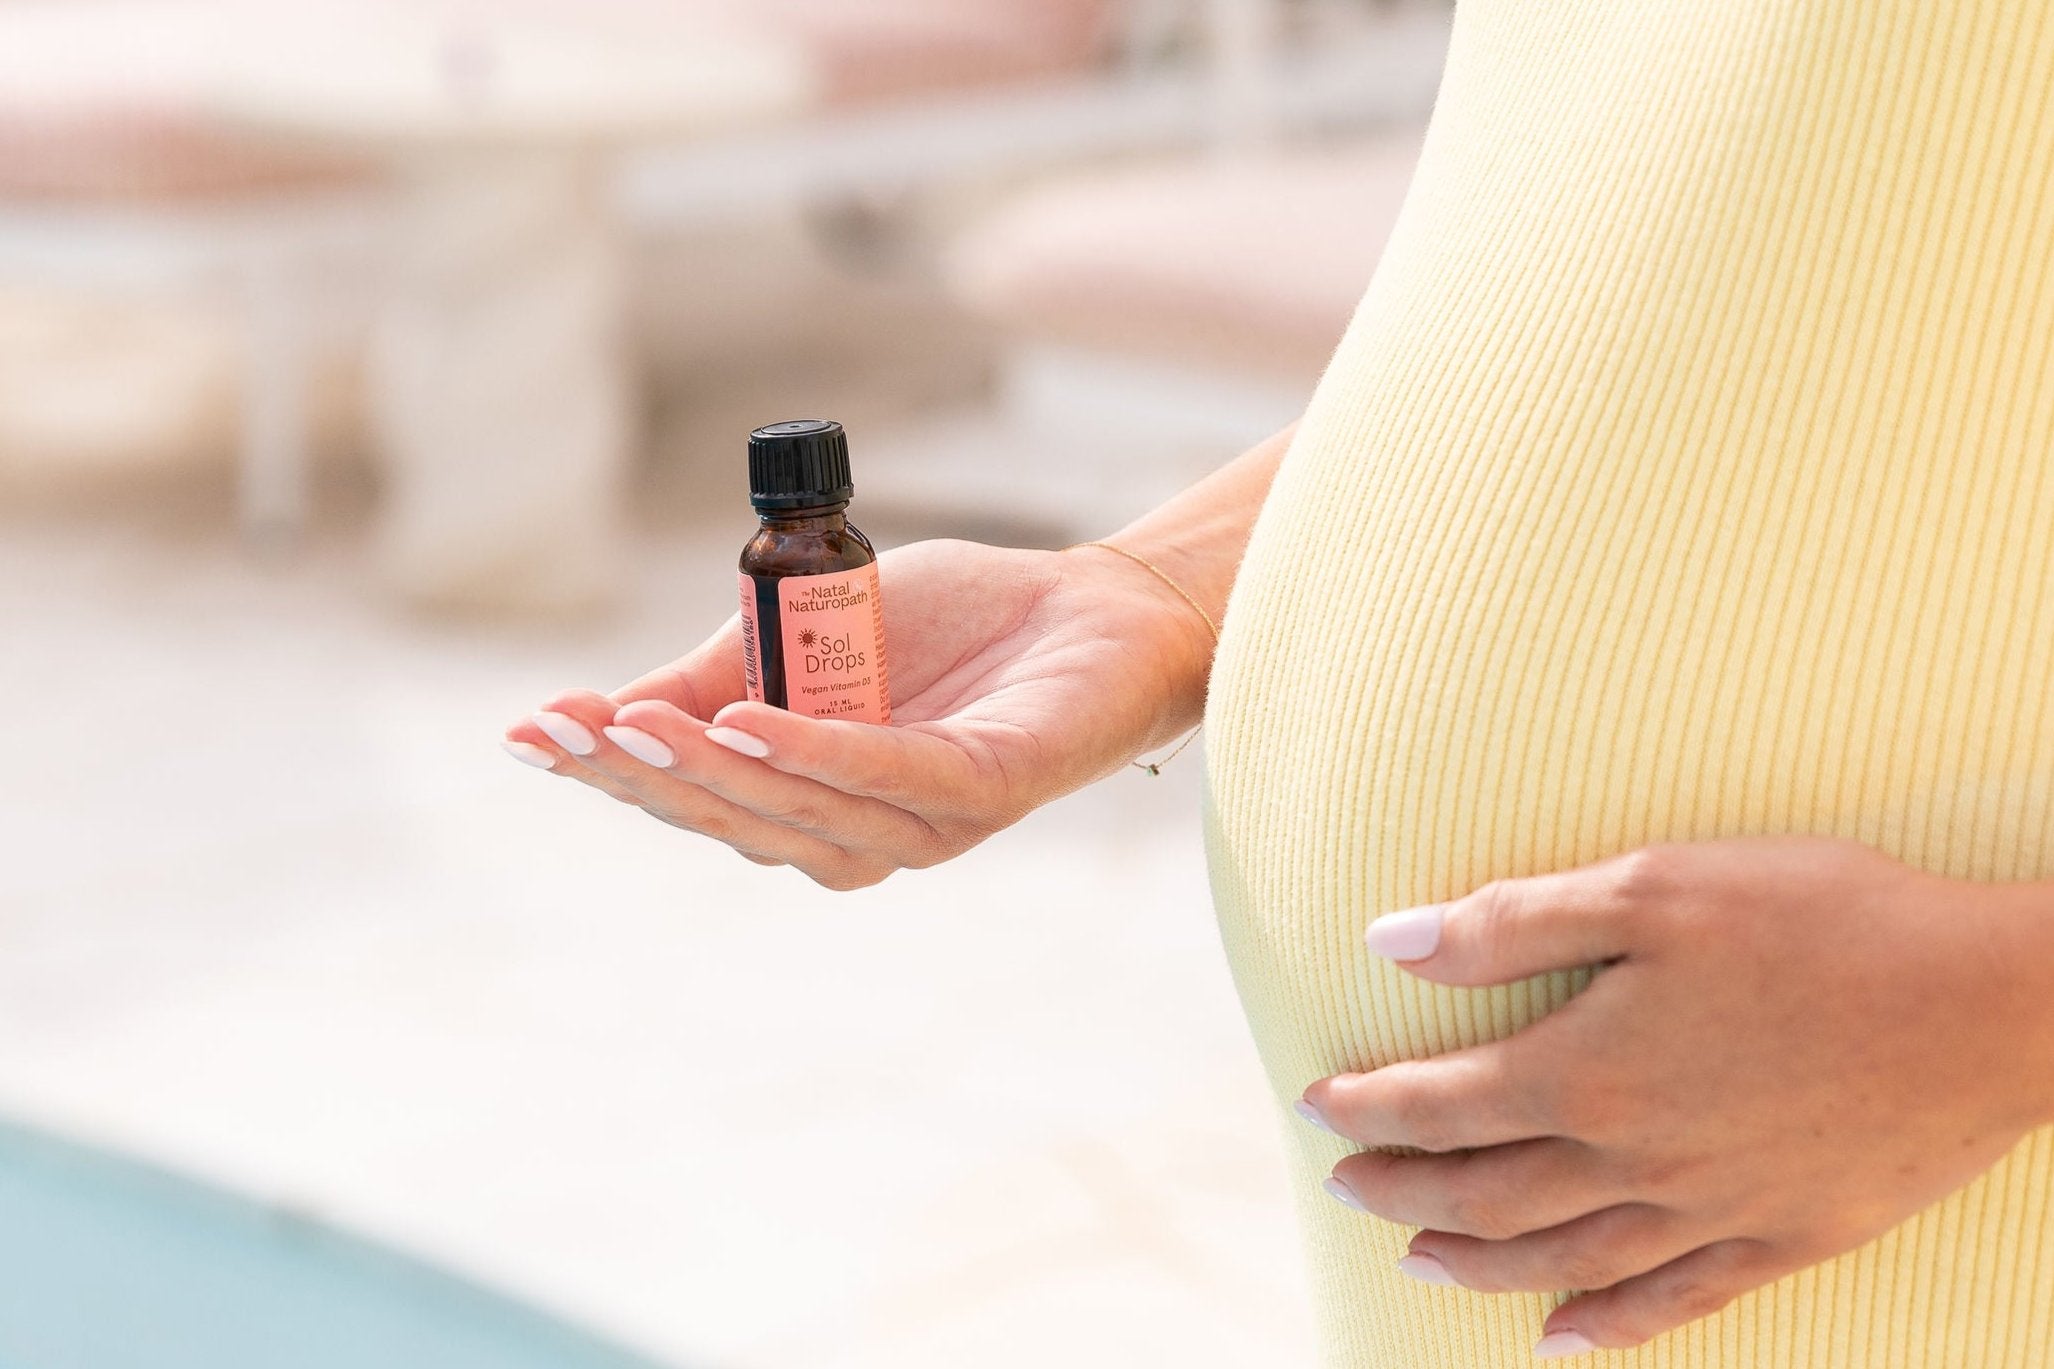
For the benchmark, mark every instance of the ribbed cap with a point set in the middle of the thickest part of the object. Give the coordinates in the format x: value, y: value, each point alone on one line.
x: 800, y: 463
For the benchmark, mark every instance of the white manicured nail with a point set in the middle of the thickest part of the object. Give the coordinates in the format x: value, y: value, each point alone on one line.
x: 1409, y: 935
x: 1561, y: 1344
x: 1427, y: 1269
x: 1343, y: 1194
x: 1312, y: 1115
x: 642, y: 746
x: 527, y: 753
x: 568, y: 733
x: 733, y: 740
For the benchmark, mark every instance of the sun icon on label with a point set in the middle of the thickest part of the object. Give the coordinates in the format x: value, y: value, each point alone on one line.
x: 807, y: 637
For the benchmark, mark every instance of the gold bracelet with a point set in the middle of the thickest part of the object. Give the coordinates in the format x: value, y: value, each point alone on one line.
x: 1155, y: 767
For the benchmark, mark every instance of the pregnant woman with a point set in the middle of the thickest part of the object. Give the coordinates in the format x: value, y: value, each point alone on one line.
x: 1631, y: 737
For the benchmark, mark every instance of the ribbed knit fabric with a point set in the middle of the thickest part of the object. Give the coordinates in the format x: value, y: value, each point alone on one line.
x: 1686, y: 471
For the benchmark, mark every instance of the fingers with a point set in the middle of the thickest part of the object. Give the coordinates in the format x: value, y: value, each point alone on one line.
x: 1595, y: 1250
x: 1494, y: 1194
x: 575, y: 725
x: 559, y: 738
x: 1513, y: 929
x: 1481, y: 1096
x: 1685, y: 1289
x: 682, y: 756
x: 908, y: 766
x: 701, y: 682
x: 529, y: 753
x: 846, y: 802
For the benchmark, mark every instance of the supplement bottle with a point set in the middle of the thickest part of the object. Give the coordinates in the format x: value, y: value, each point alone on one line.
x: 812, y: 618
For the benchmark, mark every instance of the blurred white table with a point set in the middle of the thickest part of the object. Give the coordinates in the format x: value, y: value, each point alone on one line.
x: 498, y: 383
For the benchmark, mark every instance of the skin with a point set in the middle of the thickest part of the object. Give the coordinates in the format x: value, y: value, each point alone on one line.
x: 1772, y: 1066
x: 998, y: 659
x: 1016, y: 676
x: 1793, y: 1044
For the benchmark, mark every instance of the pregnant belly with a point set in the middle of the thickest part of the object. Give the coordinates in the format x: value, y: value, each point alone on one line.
x: 1683, y: 474
x: 1497, y: 666
x: 1435, y: 674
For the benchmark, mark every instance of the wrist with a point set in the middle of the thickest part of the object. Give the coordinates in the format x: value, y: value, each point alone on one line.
x: 1200, y: 561
x: 1183, y: 632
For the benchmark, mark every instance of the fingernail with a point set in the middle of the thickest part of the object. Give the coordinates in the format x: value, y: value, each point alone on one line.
x: 568, y: 733
x: 1561, y: 1344
x: 527, y: 753
x: 642, y: 746
x: 1427, y: 1269
x: 1312, y: 1115
x: 744, y: 742
x: 1343, y: 1194
x: 1409, y: 935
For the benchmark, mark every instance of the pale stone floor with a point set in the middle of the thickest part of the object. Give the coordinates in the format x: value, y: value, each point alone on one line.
x: 277, y: 912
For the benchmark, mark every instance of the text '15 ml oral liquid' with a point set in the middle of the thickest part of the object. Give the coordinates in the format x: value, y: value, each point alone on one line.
x: 812, y: 618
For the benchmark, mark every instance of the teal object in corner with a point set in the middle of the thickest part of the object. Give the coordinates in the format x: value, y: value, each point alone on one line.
x: 109, y: 1264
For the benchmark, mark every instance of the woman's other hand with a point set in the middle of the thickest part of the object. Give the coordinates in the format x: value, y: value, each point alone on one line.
x: 1016, y: 677
x: 1793, y: 1045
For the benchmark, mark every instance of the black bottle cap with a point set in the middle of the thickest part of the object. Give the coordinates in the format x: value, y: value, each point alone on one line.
x: 800, y: 464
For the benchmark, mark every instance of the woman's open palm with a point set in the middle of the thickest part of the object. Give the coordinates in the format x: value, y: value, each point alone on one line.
x: 1016, y: 677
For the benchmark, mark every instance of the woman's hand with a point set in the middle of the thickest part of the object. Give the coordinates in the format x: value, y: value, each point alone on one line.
x: 1016, y: 677
x: 1793, y: 1044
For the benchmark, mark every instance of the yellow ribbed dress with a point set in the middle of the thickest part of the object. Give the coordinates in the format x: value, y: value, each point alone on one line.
x: 1686, y: 471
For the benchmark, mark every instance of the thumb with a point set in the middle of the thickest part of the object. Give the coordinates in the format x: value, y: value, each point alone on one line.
x: 1510, y: 929
x: 701, y: 682
x: 914, y: 766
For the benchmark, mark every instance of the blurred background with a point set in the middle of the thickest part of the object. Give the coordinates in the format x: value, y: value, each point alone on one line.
x: 369, y: 372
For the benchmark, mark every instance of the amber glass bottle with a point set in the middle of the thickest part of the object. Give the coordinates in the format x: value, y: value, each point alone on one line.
x: 812, y: 614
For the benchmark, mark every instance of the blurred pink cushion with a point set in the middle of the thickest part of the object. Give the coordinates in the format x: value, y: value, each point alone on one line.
x: 1249, y: 264
x: 147, y: 155
x: 867, y: 51
x: 106, y: 101
x: 884, y: 48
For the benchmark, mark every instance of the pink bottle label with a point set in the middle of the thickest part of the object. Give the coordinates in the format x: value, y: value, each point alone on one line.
x: 829, y: 644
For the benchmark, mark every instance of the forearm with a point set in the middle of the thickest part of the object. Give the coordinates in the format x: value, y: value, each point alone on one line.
x: 1198, y: 537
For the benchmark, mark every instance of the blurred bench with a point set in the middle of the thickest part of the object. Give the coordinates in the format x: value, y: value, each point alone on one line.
x: 1181, y: 306
x: 980, y: 89
x: 1245, y: 266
